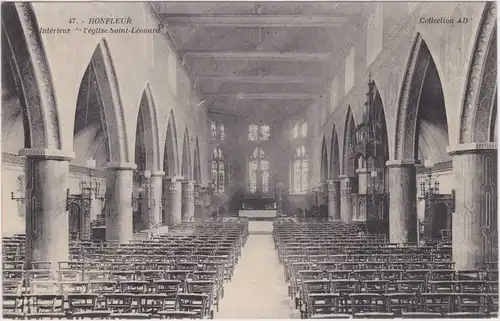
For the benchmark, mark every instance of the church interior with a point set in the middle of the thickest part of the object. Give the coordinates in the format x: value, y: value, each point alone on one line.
x: 287, y: 160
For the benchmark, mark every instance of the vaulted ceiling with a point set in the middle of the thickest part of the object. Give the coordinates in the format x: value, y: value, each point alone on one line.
x: 262, y: 57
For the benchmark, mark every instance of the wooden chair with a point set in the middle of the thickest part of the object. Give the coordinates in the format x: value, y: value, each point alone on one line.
x: 437, y: 302
x: 13, y: 306
x: 399, y: 303
x: 196, y: 303
x: 323, y: 306
x: 45, y: 306
x: 119, y: 302
x: 152, y: 303
x: 84, y: 306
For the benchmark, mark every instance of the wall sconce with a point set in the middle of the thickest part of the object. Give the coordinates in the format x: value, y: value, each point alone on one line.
x: 19, y: 199
x: 428, y: 188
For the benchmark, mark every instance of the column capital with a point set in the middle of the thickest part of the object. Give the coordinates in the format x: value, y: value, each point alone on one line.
x: 121, y: 166
x: 48, y: 154
x: 173, y: 178
x: 330, y: 185
x: 187, y: 181
x: 158, y: 173
x: 343, y: 177
x: 402, y: 162
x: 362, y: 171
x: 471, y: 148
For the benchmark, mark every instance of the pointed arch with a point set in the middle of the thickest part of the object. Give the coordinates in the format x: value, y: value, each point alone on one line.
x: 100, y: 81
x: 147, y: 130
x: 334, y: 155
x: 381, y: 121
x: 36, y: 91
x: 479, y: 103
x: 170, y: 155
x: 186, y: 156
x: 324, y: 161
x: 409, y: 116
x: 197, y: 164
x: 348, y: 147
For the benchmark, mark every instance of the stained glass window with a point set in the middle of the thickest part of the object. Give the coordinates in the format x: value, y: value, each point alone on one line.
x: 299, y: 130
x: 300, y: 171
x: 252, y: 176
x: 218, y: 170
x: 214, y: 170
x: 258, y: 171
x: 222, y: 132
x: 252, y: 132
x: 295, y: 132
x: 304, y: 130
x: 213, y: 129
x: 217, y: 130
x: 264, y: 168
x: 265, y: 132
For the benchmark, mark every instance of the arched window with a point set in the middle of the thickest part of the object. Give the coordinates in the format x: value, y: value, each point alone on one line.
x: 222, y: 132
x: 300, y: 170
x: 213, y: 130
x: 349, y: 70
x: 265, y: 132
x: 254, y: 130
x: 217, y: 130
x: 334, y: 94
x: 374, y: 34
x: 304, y: 130
x: 218, y: 170
x: 299, y: 131
x: 258, y: 172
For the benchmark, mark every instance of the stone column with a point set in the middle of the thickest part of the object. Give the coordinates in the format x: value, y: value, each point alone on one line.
x: 172, y: 211
x: 47, y: 229
x: 345, y: 199
x: 402, y: 201
x: 187, y: 200
x: 334, y: 200
x: 474, y: 223
x: 155, y: 216
x: 119, y: 211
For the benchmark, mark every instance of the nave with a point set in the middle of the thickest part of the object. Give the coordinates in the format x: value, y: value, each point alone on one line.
x: 145, y: 183
x: 312, y: 270
x: 258, y: 289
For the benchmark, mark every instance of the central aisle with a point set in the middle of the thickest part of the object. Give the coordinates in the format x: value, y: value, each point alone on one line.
x: 258, y: 288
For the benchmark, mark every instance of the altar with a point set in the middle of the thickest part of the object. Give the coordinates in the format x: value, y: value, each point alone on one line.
x: 258, y: 203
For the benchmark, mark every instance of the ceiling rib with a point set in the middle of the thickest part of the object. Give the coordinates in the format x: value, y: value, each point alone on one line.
x: 256, y: 96
x: 264, y: 79
x: 255, y: 21
x: 258, y: 55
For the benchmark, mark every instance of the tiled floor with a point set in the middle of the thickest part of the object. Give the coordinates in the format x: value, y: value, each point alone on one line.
x: 258, y: 288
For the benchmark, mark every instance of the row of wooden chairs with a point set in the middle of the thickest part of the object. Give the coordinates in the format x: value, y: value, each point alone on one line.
x: 363, y: 275
x: 183, y: 285
x: 116, y: 306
